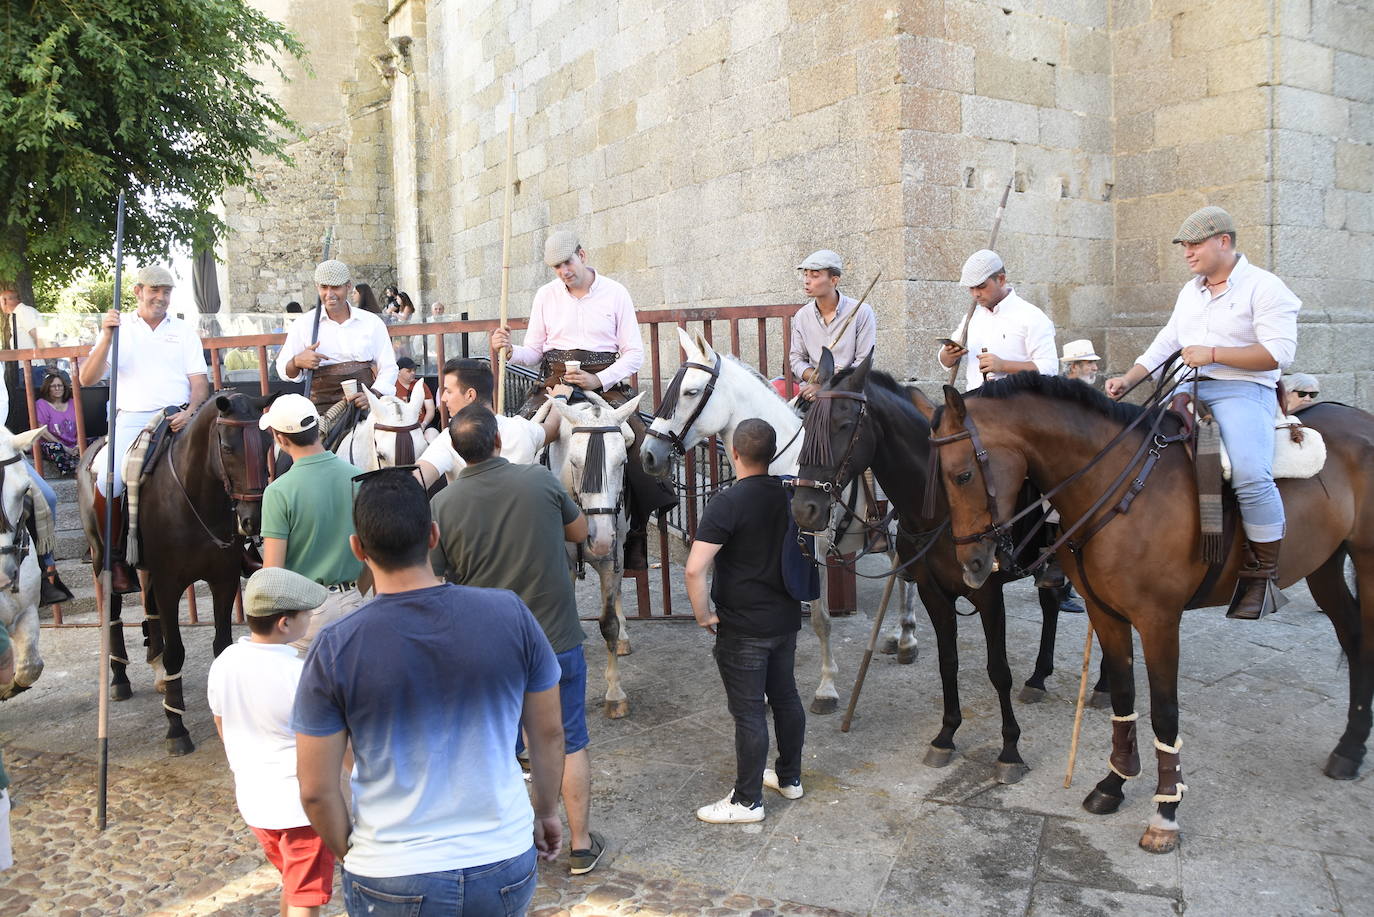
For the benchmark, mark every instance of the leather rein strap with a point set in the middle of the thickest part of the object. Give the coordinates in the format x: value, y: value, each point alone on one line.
x: 837, y: 481
x: 405, y: 445
x: 255, y: 462
x: 670, y: 401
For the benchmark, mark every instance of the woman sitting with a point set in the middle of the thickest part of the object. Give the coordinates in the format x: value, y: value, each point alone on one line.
x: 54, y: 409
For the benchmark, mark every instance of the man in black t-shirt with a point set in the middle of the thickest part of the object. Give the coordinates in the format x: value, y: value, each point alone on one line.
x: 755, y: 621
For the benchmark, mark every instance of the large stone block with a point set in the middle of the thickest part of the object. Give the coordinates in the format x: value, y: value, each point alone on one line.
x: 1002, y: 77
x: 1147, y: 173
x: 998, y: 119
x: 1300, y: 156
x: 1354, y: 76
x: 1070, y: 130
x: 1355, y: 166
x: 1304, y: 64
x: 823, y: 84
x: 1138, y: 91
x: 1211, y: 28
x: 1233, y: 113
x: 1343, y: 25
x: 1141, y: 47
x: 756, y: 20
x: 936, y: 64
x: 709, y: 44
x: 1313, y: 112
x: 931, y: 109
x: 754, y: 66
x: 1089, y: 13
x: 1089, y: 93
x: 1199, y: 166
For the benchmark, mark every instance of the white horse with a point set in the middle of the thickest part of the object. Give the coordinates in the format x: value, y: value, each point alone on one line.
x: 19, y: 569
x: 380, y: 440
x: 739, y: 393
x: 589, y: 457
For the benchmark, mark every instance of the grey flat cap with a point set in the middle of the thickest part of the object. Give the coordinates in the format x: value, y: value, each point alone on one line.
x: 154, y: 275
x: 276, y: 589
x: 560, y: 246
x: 980, y: 265
x: 332, y: 273
x: 1205, y: 223
x: 823, y: 260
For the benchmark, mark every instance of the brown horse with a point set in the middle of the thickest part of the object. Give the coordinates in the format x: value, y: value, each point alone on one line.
x: 1143, y: 567
x: 864, y: 419
x: 196, y: 506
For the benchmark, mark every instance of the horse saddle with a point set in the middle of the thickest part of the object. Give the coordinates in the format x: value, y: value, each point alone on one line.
x: 147, y: 449
x: 1299, y: 451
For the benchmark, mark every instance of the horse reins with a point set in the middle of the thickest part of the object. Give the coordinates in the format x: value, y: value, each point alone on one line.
x: 19, y: 542
x: 670, y: 399
x: 255, y: 462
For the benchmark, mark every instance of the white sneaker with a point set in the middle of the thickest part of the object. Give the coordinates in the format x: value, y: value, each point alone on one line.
x: 729, y: 812
x: 791, y: 791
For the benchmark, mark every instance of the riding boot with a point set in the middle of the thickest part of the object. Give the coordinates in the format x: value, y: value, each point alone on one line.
x: 637, y: 549
x: 250, y: 561
x: 123, y: 580
x: 51, y: 590
x: 1257, y: 593
x: 1051, y: 576
x: 1067, y: 603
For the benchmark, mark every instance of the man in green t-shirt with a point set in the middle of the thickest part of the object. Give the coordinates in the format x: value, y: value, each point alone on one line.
x: 503, y: 526
x: 307, y: 513
x: 6, y: 676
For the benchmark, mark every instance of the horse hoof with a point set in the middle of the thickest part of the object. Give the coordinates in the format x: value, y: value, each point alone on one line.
x: 907, y: 656
x: 1159, y: 840
x: 821, y: 706
x: 181, y: 745
x: 617, y: 709
x: 121, y: 691
x: 622, y: 647
x: 1030, y: 694
x: 938, y: 757
x: 1339, y: 767
x: 888, y: 646
x: 1100, y: 803
x: 1009, y: 772
x: 1101, y: 700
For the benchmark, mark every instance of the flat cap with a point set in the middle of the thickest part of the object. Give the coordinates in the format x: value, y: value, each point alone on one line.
x: 823, y: 260
x: 276, y: 589
x: 980, y: 265
x: 332, y: 273
x: 1205, y: 223
x: 154, y: 275
x: 560, y: 246
x: 290, y: 414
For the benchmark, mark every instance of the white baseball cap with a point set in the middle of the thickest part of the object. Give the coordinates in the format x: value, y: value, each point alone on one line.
x: 290, y: 414
x: 980, y: 265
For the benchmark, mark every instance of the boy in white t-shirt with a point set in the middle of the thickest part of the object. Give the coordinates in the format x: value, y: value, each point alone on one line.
x: 251, y: 689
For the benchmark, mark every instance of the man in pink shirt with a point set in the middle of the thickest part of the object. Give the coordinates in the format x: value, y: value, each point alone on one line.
x: 583, y: 332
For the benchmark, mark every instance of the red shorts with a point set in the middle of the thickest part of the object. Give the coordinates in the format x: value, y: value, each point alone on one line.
x: 305, y: 863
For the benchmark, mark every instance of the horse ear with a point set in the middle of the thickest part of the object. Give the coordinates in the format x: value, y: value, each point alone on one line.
x: 24, y: 441
x: 860, y: 374
x: 224, y: 404
x: 374, y: 403
x: 688, y: 345
x: 705, y: 348
x: 417, y: 393
x: 627, y: 409
x: 920, y: 401
x: 954, y: 403
x: 826, y: 368
x: 567, y: 412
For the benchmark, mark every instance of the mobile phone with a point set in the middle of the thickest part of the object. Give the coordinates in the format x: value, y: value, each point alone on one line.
x: 949, y: 342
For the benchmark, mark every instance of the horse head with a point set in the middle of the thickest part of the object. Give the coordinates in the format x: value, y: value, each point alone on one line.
x: 838, y: 443
x: 14, y: 486
x: 393, y: 427
x: 691, y: 410
x: 590, y: 460
x: 239, y: 453
x: 981, y: 481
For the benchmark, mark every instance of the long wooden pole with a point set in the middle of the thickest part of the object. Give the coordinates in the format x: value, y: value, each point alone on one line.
x: 106, y: 576
x: 1078, y: 713
x: 992, y: 244
x: 504, y: 352
x: 868, y: 654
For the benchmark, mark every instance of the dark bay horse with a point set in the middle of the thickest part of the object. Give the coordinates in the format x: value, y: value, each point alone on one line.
x: 199, y: 502
x: 1144, y: 567
x: 867, y: 420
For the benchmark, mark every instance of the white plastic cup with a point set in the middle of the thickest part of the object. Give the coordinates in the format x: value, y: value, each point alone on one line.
x: 350, y: 387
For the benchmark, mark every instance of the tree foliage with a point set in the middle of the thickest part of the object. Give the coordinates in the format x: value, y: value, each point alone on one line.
x: 153, y: 97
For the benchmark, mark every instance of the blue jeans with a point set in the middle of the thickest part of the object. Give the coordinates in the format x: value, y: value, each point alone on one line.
x: 501, y: 889
x: 758, y: 671
x: 1245, y: 415
x: 51, y: 497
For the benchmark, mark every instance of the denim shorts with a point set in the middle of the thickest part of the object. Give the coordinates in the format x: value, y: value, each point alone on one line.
x: 572, y: 694
x: 502, y: 889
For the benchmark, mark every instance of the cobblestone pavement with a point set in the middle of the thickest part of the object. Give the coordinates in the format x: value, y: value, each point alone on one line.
x: 877, y: 833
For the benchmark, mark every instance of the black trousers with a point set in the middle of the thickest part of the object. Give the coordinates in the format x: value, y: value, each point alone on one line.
x: 758, y: 672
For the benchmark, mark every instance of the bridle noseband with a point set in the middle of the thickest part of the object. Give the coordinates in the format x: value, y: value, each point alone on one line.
x: 669, y: 405
x: 405, y: 445
x: 996, y: 531
x: 592, y: 478
x: 255, y: 467
x: 838, y: 480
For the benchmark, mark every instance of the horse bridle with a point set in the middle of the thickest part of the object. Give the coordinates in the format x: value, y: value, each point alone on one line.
x: 670, y: 398
x: 255, y: 465
x: 837, y: 480
x: 599, y: 510
x: 405, y: 445
x: 998, y: 532
x: 19, y: 541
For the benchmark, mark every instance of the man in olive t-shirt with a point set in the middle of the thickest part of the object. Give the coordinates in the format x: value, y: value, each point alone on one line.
x: 503, y: 526
x: 307, y: 513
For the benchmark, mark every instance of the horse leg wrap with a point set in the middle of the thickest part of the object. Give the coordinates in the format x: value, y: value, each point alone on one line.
x: 1171, y: 786
x: 1125, y: 757
x: 170, y: 709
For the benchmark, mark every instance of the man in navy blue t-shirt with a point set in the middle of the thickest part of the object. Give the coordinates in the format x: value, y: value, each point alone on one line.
x: 430, y: 683
x: 756, y: 620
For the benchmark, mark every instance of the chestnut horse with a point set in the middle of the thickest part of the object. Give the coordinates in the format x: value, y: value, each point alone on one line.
x: 864, y: 419
x: 1142, y: 567
x: 199, y: 502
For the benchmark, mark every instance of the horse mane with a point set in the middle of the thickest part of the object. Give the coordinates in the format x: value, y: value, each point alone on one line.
x: 1059, y: 388
x: 816, y: 447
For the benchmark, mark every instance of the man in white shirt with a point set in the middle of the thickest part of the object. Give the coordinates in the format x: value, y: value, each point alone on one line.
x: 20, y: 332
x: 1006, y: 334
x: 467, y: 382
x: 161, y: 365
x: 1237, y: 325
x: 344, y: 342
x: 585, y: 317
x: 828, y: 320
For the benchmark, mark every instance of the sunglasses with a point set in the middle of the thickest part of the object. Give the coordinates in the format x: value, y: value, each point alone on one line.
x: 1306, y: 394
x: 360, y: 479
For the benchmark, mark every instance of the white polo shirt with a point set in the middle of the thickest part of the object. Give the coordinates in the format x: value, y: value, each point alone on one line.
x: 1013, y: 330
x: 1254, y: 308
x: 26, y: 318
x: 360, y: 338
x: 155, y: 363
x: 252, y: 687
x: 521, y: 440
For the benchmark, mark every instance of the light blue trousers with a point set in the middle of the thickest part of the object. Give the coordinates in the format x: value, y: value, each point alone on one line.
x: 1245, y: 414
x: 127, y: 426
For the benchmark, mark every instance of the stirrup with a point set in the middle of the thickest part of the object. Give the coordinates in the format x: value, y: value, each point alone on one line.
x: 1271, y: 601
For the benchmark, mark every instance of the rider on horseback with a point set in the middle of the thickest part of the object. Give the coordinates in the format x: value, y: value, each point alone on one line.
x: 161, y: 364
x: 824, y: 321
x: 1237, y: 325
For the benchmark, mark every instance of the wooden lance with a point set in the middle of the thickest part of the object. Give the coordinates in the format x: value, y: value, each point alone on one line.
x: 1078, y: 713
x: 106, y: 576
x: 962, y: 337
x: 504, y: 353
x: 308, y: 375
